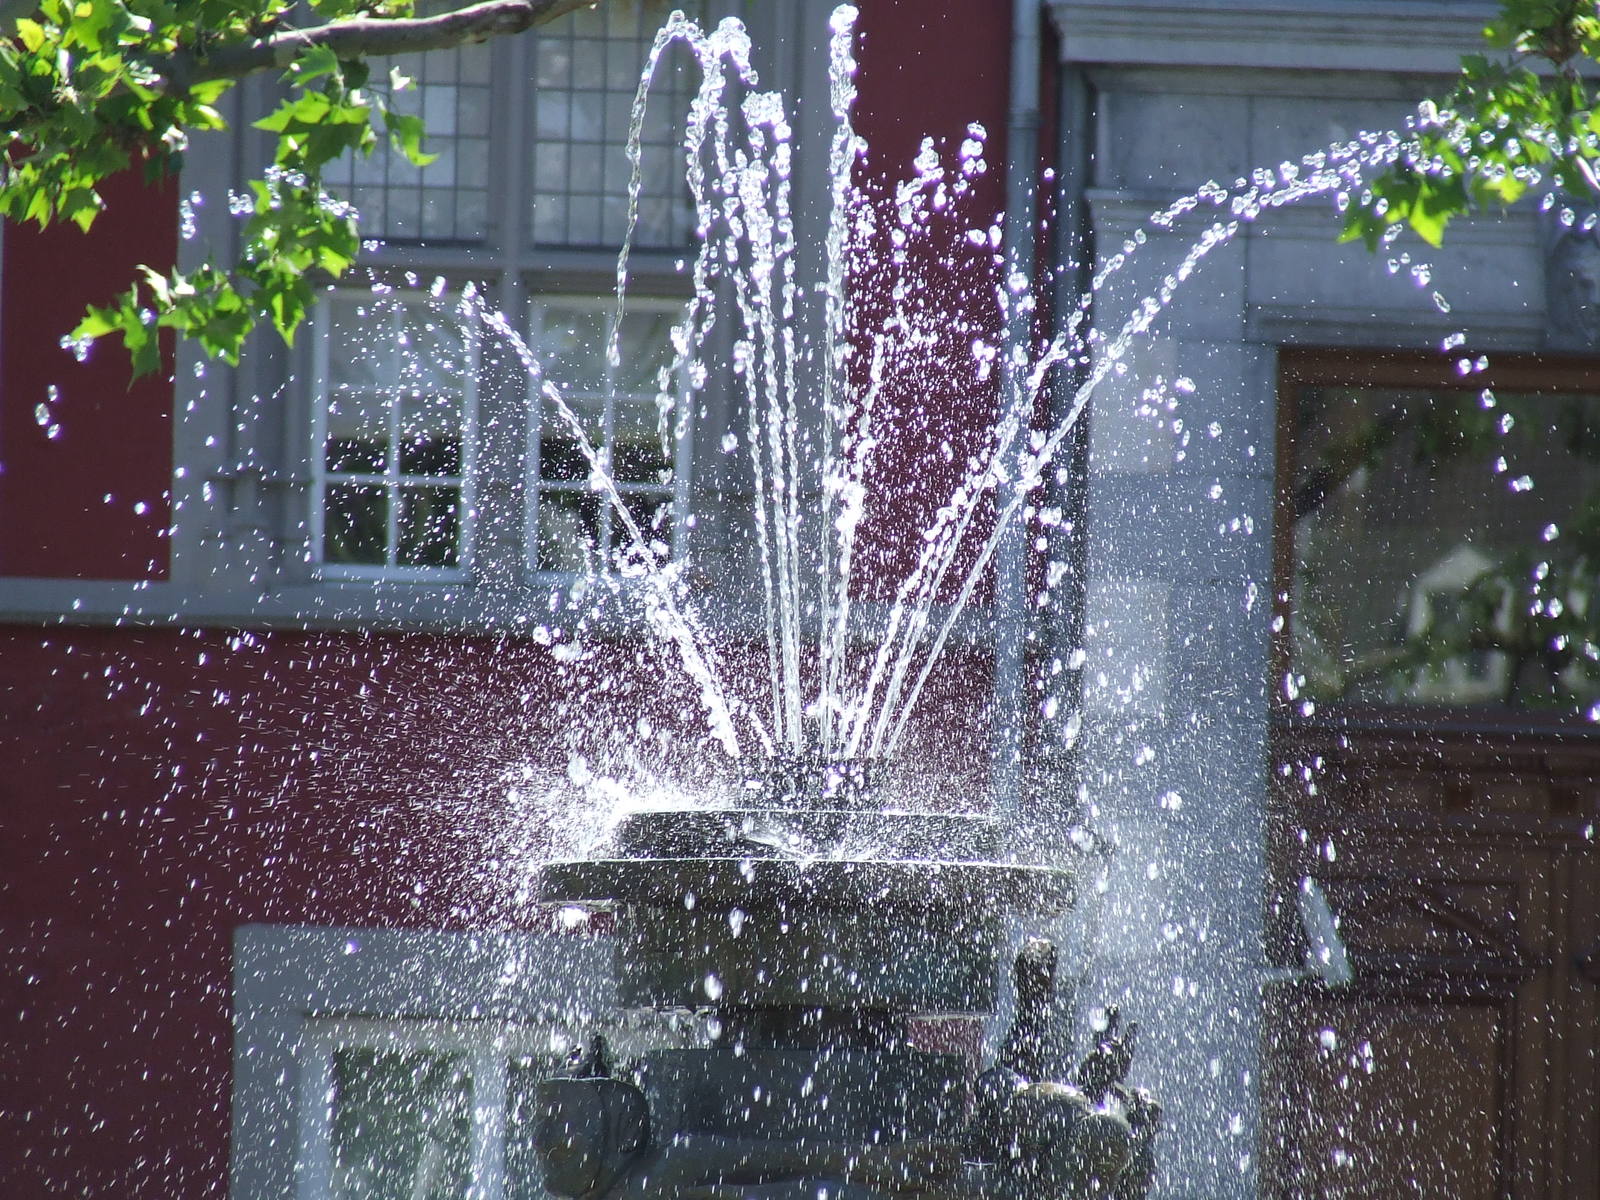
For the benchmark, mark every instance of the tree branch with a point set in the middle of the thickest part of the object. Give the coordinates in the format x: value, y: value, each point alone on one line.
x: 361, y: 37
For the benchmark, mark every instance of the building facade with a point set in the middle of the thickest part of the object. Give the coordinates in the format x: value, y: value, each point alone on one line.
x: 1446, y: 813
x: 283, y: 644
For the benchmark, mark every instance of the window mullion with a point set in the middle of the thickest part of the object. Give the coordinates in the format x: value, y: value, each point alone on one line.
x: 535, y: 402
x: 512, y: 158
x: 322, y: 393
x: 467, y: 490
x: 488, y: 1120
x: 315, y: 1180
x: 391, y: 544
x: 608, y: 429
x: 682, y: 460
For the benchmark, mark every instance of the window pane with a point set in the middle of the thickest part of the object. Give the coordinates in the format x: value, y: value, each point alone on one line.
x: 355, y: 523
x: 552, y: 64
x: 636, y: 455
x: 404, y: 206
x: 357, y: 455
x: 653, y: 514
x: 572, y: 346
x: 583, y: 219
x: 561, y: 459
x: 569, y: 524
x: 430, y: 454
x: 437, y: 354
x: 402, y: 1126
x: 645, y: 345
x: 583, y: 175
x: 1443, y: 546
x: 358, y: 434
x: 550, y: 172
x: 429, y: 527
x: 430, y: 435
x: 588, y: 60
x: 351, y: 333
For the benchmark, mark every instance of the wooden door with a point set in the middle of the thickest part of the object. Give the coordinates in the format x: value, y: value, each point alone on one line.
x: 1461, y: 1063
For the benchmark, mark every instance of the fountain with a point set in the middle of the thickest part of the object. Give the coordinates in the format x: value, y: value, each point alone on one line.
x: 811, y: 967
x: 811, y: 921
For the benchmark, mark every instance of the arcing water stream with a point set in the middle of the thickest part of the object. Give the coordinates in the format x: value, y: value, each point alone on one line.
x: 812, y: 402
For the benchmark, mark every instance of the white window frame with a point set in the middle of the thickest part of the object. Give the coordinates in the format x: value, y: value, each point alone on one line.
x: 677, y: 493
x: 500, y: 485
x: 295, y: 986
x: 393, y: 480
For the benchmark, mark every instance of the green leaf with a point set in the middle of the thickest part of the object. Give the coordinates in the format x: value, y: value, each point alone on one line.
x: 31, y: 34
x: 314, y: 63
x: 96, y: 323
x: 1428, y: 226
x: 406, y: 132
x: 157, y: 284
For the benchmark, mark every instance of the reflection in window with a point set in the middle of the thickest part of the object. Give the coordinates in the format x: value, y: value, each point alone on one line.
x: 1446, y: 544
x: 396, y: 401
x: 418, y: 1110
x: 616, y: 410
x: 439, y: 1110
x: 402, y: 1124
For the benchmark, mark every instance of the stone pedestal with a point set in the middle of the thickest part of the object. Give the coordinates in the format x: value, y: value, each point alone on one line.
x: 812, y: 927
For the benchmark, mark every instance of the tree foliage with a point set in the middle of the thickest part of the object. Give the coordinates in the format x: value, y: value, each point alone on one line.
x: 89, y: 88
x: 92, y: 88
x: 1523, y: 118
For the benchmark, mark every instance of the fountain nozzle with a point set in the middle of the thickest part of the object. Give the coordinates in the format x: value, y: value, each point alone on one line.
x: 806, y: 781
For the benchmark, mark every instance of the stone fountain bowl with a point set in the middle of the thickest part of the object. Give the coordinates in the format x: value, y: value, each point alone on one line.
x: 778, y: 906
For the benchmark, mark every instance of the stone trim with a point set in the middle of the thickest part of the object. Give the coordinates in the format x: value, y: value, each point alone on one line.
x: 1413, y: 36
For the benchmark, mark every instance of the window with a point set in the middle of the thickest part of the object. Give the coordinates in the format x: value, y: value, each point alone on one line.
x: 617, y: 409
x: 379, y: 1063
x: 585, y: 74
x: 1443, y: 537
x: 528, y: 196
x: 421, y: 1110
x: 394, y: 445
x: 448, y: 200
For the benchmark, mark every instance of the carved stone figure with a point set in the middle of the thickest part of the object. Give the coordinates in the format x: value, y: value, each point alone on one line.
x: 1057, y: 1139
x: 1028, y: 1139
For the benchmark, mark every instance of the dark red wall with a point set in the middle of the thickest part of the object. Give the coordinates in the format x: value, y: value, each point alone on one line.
x: 930, y: 71
x: 91, y: 502
x: 159, y: 788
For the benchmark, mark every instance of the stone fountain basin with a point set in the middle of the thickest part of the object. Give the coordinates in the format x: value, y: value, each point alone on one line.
x: 743, y: 924
x: 808, y: 834
x: 941, y: 890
